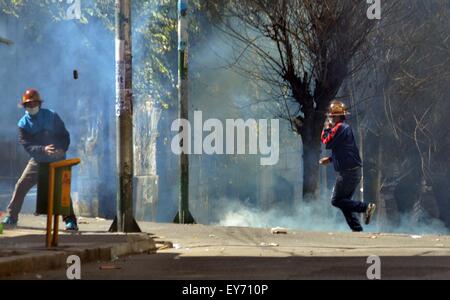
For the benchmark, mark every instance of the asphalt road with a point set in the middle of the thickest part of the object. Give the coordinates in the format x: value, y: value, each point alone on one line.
x: 173, y: 267
x: 233, y: 253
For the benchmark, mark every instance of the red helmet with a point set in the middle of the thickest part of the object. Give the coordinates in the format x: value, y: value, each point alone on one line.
x: 31, y: 95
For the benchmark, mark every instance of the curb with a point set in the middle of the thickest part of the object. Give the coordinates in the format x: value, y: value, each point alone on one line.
x: 49, y: 259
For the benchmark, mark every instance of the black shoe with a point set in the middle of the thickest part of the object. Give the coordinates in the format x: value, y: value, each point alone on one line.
x: 369, y: 213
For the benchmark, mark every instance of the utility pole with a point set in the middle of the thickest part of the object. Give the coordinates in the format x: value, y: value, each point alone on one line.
x: 124, y: 221
x: 183, y: 216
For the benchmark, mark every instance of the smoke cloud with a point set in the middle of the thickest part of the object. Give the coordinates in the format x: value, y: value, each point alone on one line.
x: 316, y: 216
x: 229, y: 190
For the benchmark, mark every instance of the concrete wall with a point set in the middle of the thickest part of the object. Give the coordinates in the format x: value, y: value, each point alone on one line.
x: 12, y: 157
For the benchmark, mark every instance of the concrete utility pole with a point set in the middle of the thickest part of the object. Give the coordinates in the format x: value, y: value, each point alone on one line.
x: 124, y: 221
x: 183, y: 216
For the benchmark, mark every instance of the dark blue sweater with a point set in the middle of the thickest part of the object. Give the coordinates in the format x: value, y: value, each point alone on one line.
x: 341, y: 141
x: 43, y: 129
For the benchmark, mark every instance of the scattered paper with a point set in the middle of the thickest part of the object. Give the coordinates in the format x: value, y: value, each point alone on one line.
x: 279, y: 230
x: 416, y: 236
x: 369, y: 237
x: 268, y: 245
x: 177, y: 246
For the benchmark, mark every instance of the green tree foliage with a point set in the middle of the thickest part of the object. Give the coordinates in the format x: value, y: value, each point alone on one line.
x: 154, y: 31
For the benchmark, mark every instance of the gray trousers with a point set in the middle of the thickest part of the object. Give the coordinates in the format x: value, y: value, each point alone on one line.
x: 28, y: 180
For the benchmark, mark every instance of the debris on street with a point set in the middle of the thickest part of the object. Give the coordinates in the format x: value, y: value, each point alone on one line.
x: 279, y: 230
x: 110, y: 267
x: 373, y: 237
x: 164, y: 245
x: 268, y: 244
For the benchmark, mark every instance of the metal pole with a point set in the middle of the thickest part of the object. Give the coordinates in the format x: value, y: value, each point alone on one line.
x: 124, y: 221
x: 183, y: 216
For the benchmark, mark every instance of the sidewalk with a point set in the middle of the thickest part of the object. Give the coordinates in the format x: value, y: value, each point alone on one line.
x: 22, y: 249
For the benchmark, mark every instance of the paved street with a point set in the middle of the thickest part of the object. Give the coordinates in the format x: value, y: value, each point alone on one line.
x: 207, y: 252
x: 171, y: 266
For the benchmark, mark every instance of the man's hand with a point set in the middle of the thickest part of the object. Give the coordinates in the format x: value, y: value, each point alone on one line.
x: 50, y: 150
x: 325, y: 161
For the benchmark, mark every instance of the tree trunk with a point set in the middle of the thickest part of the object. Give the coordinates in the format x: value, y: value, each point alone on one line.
x: 310, y: 131
x: 441, y: 191
x: 371, y: 170
x: 311, y: 157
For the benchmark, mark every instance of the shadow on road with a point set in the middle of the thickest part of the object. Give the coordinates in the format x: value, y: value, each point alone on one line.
x: 171, y: 266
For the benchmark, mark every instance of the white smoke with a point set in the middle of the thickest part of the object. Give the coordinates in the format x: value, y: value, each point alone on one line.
x: 314, y: 216
x: 318, y: 215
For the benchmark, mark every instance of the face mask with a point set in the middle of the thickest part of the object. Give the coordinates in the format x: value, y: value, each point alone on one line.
x: 33, y: 111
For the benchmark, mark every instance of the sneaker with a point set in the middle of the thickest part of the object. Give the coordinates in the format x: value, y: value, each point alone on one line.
x: 71, y: 225
x: 369, y: 212
x: 10, y: 221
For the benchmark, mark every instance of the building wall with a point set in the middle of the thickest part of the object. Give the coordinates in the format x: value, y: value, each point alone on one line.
x: 12, y: 157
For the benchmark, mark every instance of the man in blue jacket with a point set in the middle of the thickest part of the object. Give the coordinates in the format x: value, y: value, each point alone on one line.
x: 338, y: 137
x: 44, y: 136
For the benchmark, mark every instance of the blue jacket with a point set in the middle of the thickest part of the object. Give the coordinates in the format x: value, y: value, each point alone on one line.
x: 43, y: 129
x: 341, y: 141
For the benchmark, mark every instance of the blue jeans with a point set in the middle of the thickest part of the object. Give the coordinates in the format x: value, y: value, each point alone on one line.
x: 344, y: 189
